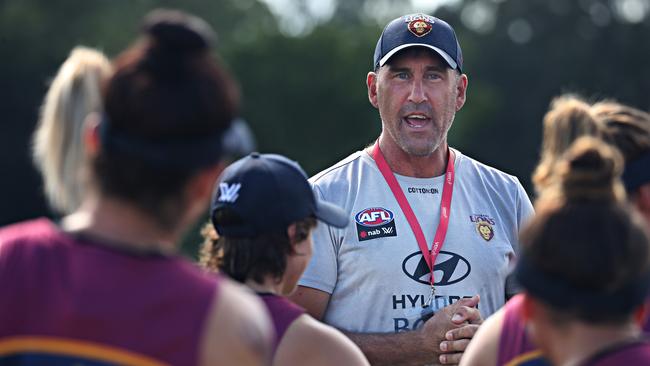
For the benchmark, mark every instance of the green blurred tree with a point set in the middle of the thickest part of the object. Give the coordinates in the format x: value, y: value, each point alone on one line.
x: 534, y: 50
x: 37, y: 35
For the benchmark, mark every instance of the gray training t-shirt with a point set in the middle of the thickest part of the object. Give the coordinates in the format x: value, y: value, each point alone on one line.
x: 373, y: 268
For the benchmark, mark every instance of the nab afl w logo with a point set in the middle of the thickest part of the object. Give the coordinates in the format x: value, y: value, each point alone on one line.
x: 229, y: 192
x: 450, y: 268
x: 375, y: 222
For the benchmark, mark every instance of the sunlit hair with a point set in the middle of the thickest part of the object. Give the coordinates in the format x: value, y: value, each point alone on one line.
x: 625, y: 127
x: 58, y: 151
x: 568, y: 118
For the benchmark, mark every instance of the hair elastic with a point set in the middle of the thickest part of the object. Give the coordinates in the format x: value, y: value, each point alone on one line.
x: 181, y: 153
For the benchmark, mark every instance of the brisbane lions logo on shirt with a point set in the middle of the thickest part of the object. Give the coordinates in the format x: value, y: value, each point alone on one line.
x: 375, y: 222
x: 484, y: 226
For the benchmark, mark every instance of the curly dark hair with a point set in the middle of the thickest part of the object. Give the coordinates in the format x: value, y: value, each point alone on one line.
x: 250, y: 258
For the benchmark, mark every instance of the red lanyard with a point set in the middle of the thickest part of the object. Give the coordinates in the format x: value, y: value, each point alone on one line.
x: 445, y: 207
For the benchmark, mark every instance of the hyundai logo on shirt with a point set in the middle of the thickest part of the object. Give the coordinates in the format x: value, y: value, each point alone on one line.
x: 454, y: 268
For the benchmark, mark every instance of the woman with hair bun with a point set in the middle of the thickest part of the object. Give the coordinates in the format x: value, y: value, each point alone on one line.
x: 106, y: 285
x: 504, y: 338
x: 585, y: 265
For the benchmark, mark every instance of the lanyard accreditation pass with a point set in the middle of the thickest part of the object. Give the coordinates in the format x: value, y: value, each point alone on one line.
x: 445, y: 209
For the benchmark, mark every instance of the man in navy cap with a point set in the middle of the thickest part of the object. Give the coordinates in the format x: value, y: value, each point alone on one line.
x: 431, y: 230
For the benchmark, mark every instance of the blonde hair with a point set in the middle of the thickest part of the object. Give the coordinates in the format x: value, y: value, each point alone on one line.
x: 58, y: 151
x: 568, y: 118
x: 626, y: 127
x: 589, y: 171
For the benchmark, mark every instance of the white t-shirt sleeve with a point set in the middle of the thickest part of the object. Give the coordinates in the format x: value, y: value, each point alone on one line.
x: 321, y: 272
x: 524, y: 212
x: 525, y: 209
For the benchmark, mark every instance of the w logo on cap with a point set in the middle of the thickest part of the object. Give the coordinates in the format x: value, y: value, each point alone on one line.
x: 229, y: 192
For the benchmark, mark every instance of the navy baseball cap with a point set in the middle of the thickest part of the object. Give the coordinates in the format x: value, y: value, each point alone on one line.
x: 419, y: 30
x: 268, y: 192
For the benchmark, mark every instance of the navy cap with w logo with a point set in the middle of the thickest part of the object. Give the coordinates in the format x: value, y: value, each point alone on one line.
x: 268, y: 192
x: 419, y: 30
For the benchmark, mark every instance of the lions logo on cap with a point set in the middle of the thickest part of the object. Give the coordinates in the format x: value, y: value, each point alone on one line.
x: 485, y: 230
x: 420, y: 24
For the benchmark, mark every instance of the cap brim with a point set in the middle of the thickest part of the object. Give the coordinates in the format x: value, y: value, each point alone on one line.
x: 442, y: 53
x: 331, y: 214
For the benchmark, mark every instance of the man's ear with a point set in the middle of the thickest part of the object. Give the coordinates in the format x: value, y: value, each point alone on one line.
x: 371, y: 83
x: 91, y: 138
x: 461, y: 91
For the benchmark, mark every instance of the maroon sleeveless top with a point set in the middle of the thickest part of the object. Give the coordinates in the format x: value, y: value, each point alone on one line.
x: 515, y: 346
x: 283, y: 313
x: 66, y: 300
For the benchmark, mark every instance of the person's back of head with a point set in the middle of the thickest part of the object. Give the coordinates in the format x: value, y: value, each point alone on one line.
x: 157, y: 151
x: 568, y: 118
x: 628, y: 129
x: 57, y: 143
x: 585, y: 254
x: 167, y: 106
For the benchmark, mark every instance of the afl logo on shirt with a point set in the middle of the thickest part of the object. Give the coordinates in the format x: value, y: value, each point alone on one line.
x: 375, y: 222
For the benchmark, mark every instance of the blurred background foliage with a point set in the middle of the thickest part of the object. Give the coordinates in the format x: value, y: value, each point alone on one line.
x: 301, y: 65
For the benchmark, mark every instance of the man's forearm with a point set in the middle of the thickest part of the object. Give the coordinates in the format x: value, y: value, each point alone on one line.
x: 402, y: 349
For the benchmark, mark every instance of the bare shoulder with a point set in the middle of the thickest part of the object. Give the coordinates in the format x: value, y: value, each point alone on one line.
x: 238, y: 330
x: 484, y: 347
x: 310, y: 342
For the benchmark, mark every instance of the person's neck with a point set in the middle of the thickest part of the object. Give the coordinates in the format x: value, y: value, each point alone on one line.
x: 115, y: 221
x: 403, y: 163
x: 268, y: 285
x: 575, y: 344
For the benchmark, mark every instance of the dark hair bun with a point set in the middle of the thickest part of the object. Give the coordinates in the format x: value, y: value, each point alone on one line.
x: 176, y: 31
x: 591, y: 171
